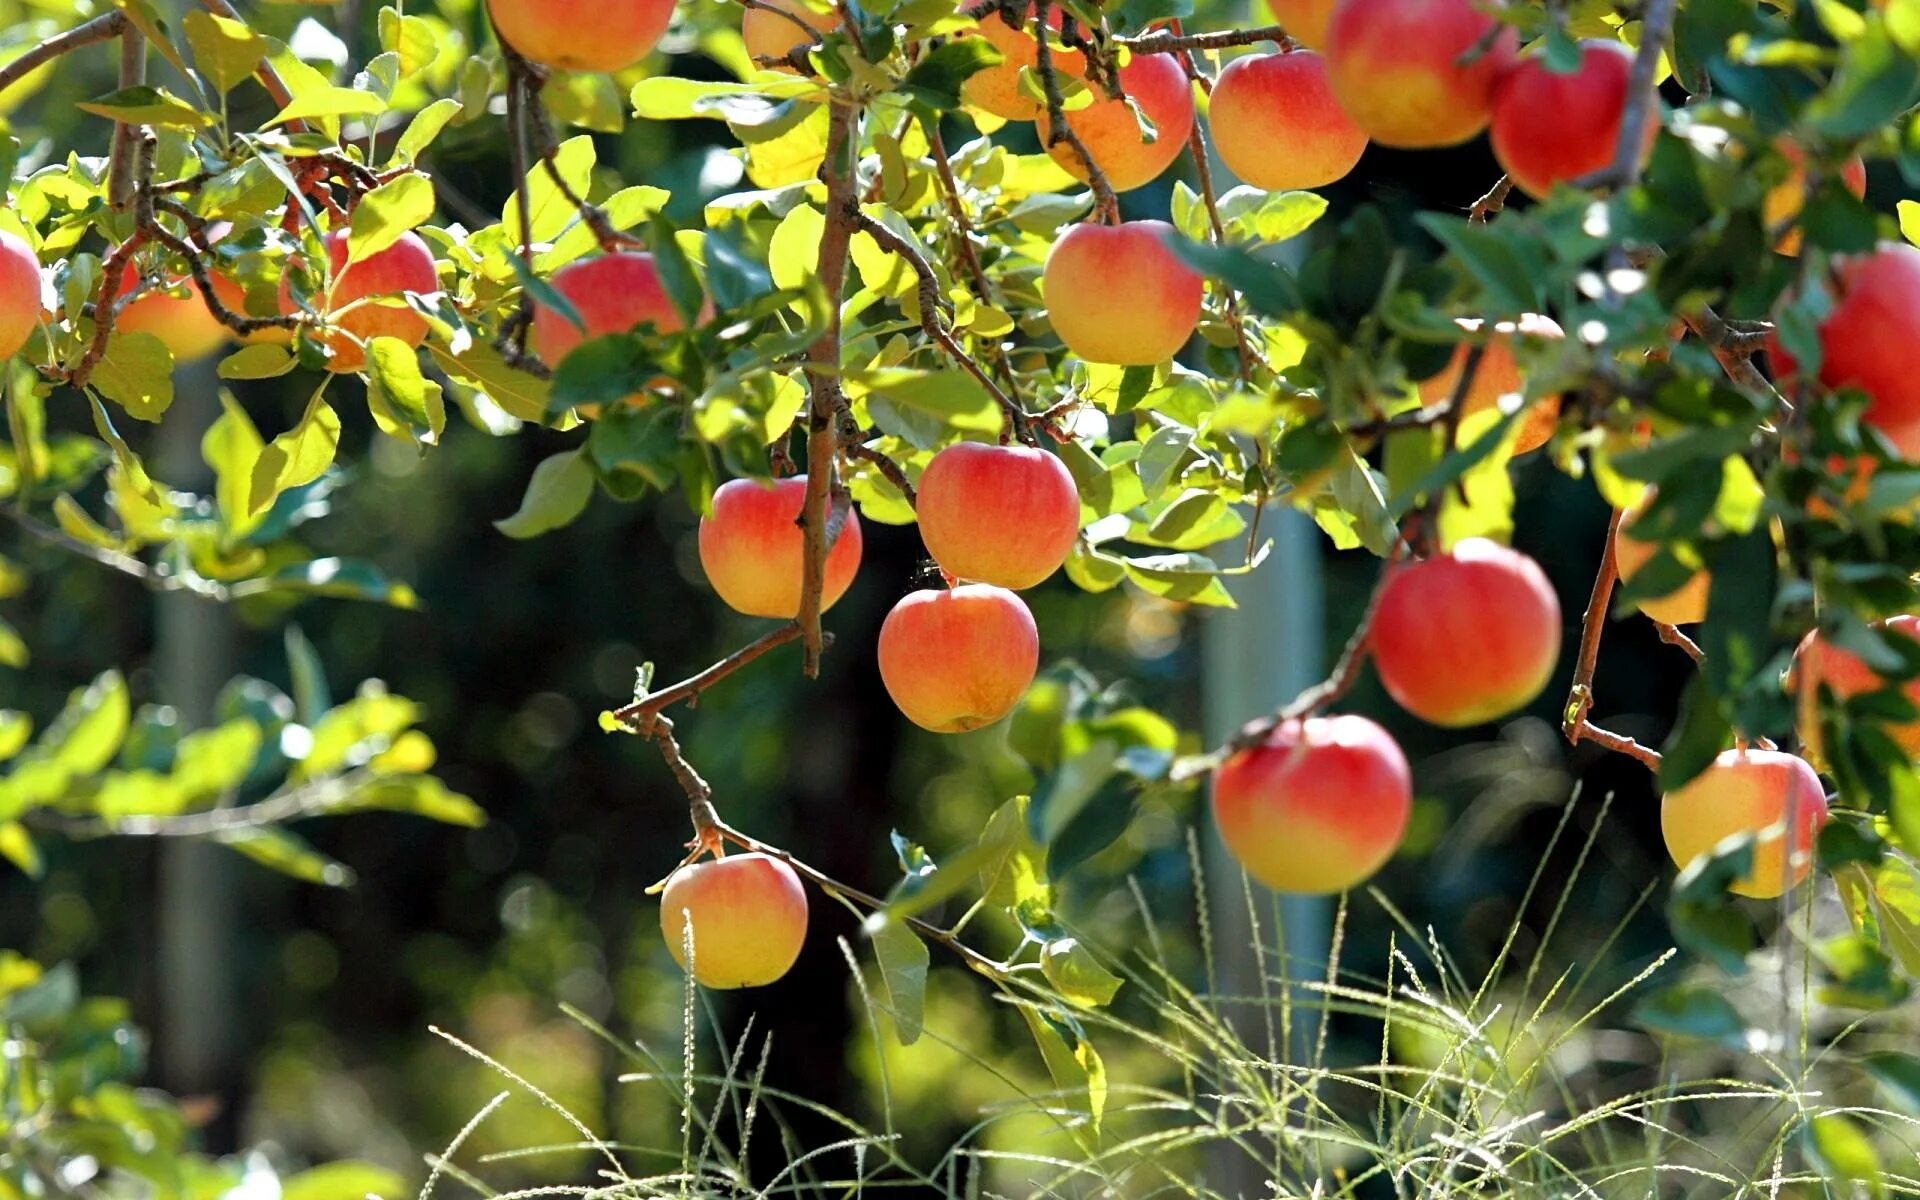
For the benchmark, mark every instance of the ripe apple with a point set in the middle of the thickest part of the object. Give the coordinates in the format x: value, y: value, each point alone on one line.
x: 1395, y: 66
x: 1318, y: 807
x: 754, y: 550
x: 749, y: 918
x: 1499, y: 377
x: 1005, y: 515
x: 19, y: 293
x: 1112, y: 134
x: 1686, y: 605
x: 958, y: 659
x: 612, y: 293
x: 1867, y: 334
x: 174, y: 312
x: 770, y: 35
x: 1758, y: 791
x: 1785, y: 200
x: 1304, y: 20
x: 405, y: 266
x: 1277, y: 126
x: 1118, y: 294
x: 582, y: 35
x: 1467, y: 636
x: 996, y: 89
x: 1550, y: 128
x: 1847, y: 675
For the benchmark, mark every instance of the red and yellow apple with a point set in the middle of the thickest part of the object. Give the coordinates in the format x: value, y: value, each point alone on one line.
x: 1550, y: 128
x: 1317, y: 807
x: 748, y: 914
x: 1764, y: 792
x: 1500, y: 377
x: 405, y: 266
x: 1277, y: 126
x: 770, y: 34
x: 19, y: 293
x: 958, y: 659
x: 1868, y: 334
x: 612, y: 293
x: 1467, y: 636
x: 1847, y: 675
x: 582, y: 35
x: 1118, y: 293
x: 1687, y: 604
x: 754, y: 550
x: 174, y: 312
x: 1005, y: 515
x: 1113, y: 135
x: 996, y: 89
x: 1784, y: 200
x: 1414, y: 73
x: 1304, y: 20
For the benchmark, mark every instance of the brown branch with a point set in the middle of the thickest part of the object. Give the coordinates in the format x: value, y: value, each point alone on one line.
x: 1179, y: 42
x: 1494, y: 201
x: 1105, y: 204
x: 533, y: 81
x: 123, y: 175
x: 1734, y: 349
x: 100, y: 29
x: 886, y: 466
x: 1203, y: 172
x: 152, y: 578
x: 838, y: 172
x: 240, y: 323
x: 1573, y: 722
x: 1643, y: 94
x: 511, y: 341
x: 1587, y: 731
x: 963, y: 240
x: 641, y: 714
x: 1673, y: 637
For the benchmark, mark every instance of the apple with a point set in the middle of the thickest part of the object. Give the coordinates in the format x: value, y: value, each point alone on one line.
x: 174, y: 312
x: 405, y: 266
x: 1847, y: 675
x: 1867, y: 335
x: 612, y: 293
x: 1317, y: 807
x: 754, y: 550
x: 1550, y: 128
x: 768, y: 34
x: 996, y: 89
x: 1758, y: 791
x: 19, y: 293
x: 1785, y: 200
x: 1686, y: 605
x: 582, y: 35
x: 958, y: 659
x: 1277, y: 126
x: 1467, y: 636
x: 1118, y: 293
x: 1499, y: 377
x: 1113, y: 135
x: 749, y: 919
x: 1304, y: 20
x: 1396, y: 67
x: 1005, y: 515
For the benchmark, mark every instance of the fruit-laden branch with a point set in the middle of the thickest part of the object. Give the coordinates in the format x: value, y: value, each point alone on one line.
x: 1643, y: 94
x: 1180, y: 42
x: 932, y: 305
x: 823, y: 367
x: 102, y: 28
x: 1574, y: 723
x: 313, y: 799
x: 1106, y: 205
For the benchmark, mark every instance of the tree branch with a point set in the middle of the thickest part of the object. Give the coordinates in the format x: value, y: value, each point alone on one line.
x: 641, y: 714
x: 312, y: 799
x: 124, y: 178
x: 102, y: 28
x: 1203, y: 172
x: 963, y: 240
x: 1573, y: 722
x: 1105, y: 204
x: 1642, y: 95
x: 1179, y: 42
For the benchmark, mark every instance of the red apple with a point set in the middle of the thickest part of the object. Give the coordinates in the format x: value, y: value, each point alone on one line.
x: 1468, y: 636
x: 1005, y: 515
x: 1112, y: 134
x: 19, y: 293
x: 1764, y: 792
x: 958, y: 659
x: 1550, y: 128
x: 749, y: 919
x: 753, y: 549
x: 1277, y: 126
x: 1304, y: 20
x: 582, y: 35
x: 1396, y: 67
x: 1868, y: 334
x: 612, y: 293
x: 996, y: 89
x: 1318, y: 807
x: 1847, y: 675
x: 405, y: 266
x: 1499, y: 378
x: 1118, y: 294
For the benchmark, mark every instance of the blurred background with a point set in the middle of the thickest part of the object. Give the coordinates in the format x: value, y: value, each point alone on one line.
x: 300, y: 1013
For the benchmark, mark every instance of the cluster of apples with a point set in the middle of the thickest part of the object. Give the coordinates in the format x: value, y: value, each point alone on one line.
x: 997, y: 519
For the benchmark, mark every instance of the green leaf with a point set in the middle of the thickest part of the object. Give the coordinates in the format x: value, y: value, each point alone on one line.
x: 522, y: 395
x: 17, y: 847
x: 344, y: 1181
x: 274, y: 847
x: 935, y: 80
x: 1510, y: 283
x: 1693, y: 1011
x: 15, y: 728
x: 420, y: 795
x: 296, y: 457
x: 547, y: 206
x: 557, y: 493
x: 1840, y: 1150
x: 147, y: 105
x: 387, y: 213
x: 423, y: 129
x: 664, y: 98
x: 226, y: 51
x: 330, y: 102
x: 212, y: 762
x: 1071, y: 1059
x: 953, y: 398
x: 232, y: 446
x: 903, y: 973
x: 406, y: 405
x: 1077, y: 975
x: 348, y: 578
x: 137, y: 374
x: 85, y: 736
x: 1898, y: 1076
x: 262, y: 360
x: 1249, y: 213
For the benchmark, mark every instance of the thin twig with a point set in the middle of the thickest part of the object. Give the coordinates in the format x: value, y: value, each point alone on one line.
x: 1106, y: 205
x: 1574, y: 723
x: 641, y: 714
x: 1642, y: 95
x: 1180, y: 42
x: 102, y: 28
x: 115, y: 560
x: 1203, y: 172
x: 1673, y: 637
x: 312, y: 799
x: 888, y: 468
x: 964, y: 248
